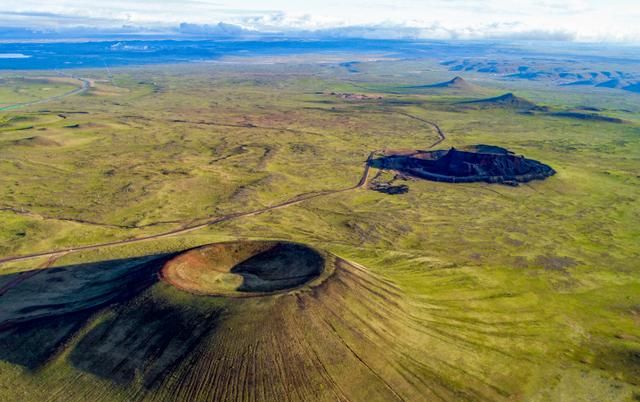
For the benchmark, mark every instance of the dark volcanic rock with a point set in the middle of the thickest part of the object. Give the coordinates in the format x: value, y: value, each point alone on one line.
x: 390, y: 189
x: 482, y: 163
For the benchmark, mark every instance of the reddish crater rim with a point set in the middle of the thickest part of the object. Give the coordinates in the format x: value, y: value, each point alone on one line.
x: 245, y: 268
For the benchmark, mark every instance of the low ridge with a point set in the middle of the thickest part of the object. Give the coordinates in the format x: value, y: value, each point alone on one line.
x: 508, y: 100
x: 37, y: 141
x: 456, y: 83
x: 613, y: 83
x: 633, y: 87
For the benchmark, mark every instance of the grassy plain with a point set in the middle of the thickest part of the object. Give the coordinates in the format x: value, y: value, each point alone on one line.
x: 20, y: 90
x: 470, y: 291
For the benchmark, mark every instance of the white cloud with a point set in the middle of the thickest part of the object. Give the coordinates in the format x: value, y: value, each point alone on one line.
x: 582, y: 20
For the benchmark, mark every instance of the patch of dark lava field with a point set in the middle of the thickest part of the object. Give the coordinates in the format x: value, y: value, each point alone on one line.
x: 478, y: 163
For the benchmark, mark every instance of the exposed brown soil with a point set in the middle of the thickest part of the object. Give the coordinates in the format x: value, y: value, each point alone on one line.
x: 480, y: 163
x: 244, y: 268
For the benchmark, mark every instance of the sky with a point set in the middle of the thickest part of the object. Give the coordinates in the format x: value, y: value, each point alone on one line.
x: 564, y: 20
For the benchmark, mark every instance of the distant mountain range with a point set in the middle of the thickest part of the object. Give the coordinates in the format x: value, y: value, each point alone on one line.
x: 557, y: 70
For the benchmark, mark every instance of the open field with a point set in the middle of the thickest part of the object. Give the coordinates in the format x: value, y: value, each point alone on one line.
x: 468, y: 291
x: 17, y: 92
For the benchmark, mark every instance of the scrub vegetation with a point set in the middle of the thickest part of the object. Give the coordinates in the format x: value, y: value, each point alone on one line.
x: 439, y: 292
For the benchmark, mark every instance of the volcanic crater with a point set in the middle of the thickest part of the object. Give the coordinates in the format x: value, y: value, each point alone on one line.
x: 477, y: 163
x: 327, y: 328
x: 244, y: 268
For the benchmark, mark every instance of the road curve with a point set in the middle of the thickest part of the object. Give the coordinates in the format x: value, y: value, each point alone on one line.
x: 362, y: 183
x: 86, y: 84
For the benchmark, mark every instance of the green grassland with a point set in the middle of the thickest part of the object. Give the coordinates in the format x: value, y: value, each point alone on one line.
x: 20, y: 90
x: 467, y: 291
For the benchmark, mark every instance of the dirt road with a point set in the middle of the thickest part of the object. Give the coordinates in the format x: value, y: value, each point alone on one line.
x: 362, y: 183
x: 23, y: 276
x: 85, y: 86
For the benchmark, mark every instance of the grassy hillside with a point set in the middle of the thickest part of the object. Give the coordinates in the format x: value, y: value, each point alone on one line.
x: 446, y: 292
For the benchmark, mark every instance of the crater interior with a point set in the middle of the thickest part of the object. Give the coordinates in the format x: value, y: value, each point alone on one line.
x: 244, y: 268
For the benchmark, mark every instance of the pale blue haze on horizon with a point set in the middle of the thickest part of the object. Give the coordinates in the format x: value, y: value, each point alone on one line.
x: 576, y: 20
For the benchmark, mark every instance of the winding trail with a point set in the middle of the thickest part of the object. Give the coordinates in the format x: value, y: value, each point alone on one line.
x: 441, y: 135
x: 86, y: 84
x: 23, y: 276
x: 362, y: 183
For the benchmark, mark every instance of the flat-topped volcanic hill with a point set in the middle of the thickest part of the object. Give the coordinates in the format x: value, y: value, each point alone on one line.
x: 478, y: 163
